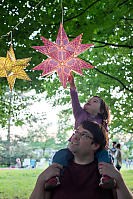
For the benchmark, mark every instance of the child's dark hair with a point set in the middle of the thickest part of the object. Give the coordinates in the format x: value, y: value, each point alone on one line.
x: 105, y: 114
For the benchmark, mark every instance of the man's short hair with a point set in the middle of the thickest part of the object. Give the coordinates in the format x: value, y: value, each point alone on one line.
x: 113, y: 142
x: 98, y: 131
x: 118, y: 145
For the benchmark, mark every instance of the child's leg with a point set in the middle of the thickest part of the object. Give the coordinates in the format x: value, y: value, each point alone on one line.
x: 103, y: 156
x: 61, y: 157
x: 105, y: 182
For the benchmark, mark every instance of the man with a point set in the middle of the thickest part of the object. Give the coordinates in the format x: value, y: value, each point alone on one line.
x: 81, y: 178
x: 113, y: 150
x: 118, y: 157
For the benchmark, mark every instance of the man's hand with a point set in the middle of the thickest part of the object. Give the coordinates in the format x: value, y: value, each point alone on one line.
x: 121, y: 189
x: 109, y: 170
x: 39, y: 191
x: 71, y: 81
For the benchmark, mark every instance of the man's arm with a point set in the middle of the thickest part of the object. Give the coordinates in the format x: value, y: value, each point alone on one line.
x: 39, y: 192
x: 122, y: 190
x: 39, y: 189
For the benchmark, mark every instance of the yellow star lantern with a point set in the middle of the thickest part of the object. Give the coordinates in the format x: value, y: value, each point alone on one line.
x: 12, y: 68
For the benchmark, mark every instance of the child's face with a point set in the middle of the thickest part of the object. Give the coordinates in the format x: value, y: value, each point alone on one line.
x: 93, y: 106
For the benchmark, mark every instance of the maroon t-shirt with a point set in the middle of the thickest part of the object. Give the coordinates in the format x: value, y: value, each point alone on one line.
x: 81, y: 182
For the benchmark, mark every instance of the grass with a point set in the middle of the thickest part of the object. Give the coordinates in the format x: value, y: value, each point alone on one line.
x: 18, y: 184
x: 128, y: 177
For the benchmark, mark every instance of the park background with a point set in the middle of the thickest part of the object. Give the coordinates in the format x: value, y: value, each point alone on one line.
x: 30, y: 133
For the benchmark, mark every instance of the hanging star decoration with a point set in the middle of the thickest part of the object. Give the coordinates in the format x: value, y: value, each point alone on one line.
x: 62, y: 56
x: 12, y: 68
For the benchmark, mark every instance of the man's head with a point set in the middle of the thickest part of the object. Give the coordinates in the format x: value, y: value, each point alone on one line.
x: 98, y: 131
x: 118, y: 146
x: 114, y: 144
x: 88, y: 138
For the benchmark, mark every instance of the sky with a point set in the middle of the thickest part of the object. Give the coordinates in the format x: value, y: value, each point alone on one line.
x: 51, y: 115
x: 38, y: 107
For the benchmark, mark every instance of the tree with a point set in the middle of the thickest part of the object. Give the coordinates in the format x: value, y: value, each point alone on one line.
x: 3, y: 154
x: 63, y: 128
x: 107, y: 24
x: 23, y: 147
x: 14, y: 111
x: 38, y: 136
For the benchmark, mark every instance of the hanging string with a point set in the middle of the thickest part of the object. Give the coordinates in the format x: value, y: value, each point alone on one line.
x: 62, y: 10
x: 10, y: 32
x: 11, y: 37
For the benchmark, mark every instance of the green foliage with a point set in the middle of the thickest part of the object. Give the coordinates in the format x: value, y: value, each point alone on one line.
x: 26, y: 147
x: 15, y: 106
x: 63, y: 127
x: 107, y: 24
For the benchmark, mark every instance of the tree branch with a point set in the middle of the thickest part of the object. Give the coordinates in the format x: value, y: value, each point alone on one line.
x: 82, y: 11
x: 110, y: 44
x: 122, y: 3
x: 99, y: 46
x: 127, y: 19
x: 114, y: 79
x: 90, y: 7
x: 78, y: 14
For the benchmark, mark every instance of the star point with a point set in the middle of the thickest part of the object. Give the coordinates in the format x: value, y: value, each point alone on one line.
x: 12, y: 68
x: 62, y: 56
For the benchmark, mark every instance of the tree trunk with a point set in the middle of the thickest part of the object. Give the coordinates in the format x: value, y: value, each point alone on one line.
x: 9, y: 132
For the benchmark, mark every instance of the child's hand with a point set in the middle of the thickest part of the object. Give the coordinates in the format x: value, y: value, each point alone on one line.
x: 71, y: 81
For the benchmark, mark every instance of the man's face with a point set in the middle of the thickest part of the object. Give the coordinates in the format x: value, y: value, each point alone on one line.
x: 81, y: 142
x: 114, y: 145
x: 93, y: 105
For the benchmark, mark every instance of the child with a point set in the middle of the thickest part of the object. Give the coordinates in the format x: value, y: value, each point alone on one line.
x: 94, y: 110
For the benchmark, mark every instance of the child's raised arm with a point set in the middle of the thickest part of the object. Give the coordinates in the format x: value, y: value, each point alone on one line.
x: 71, y: 81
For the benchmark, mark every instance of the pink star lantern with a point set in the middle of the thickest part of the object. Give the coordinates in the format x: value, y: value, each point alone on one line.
x: 62, y: 56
